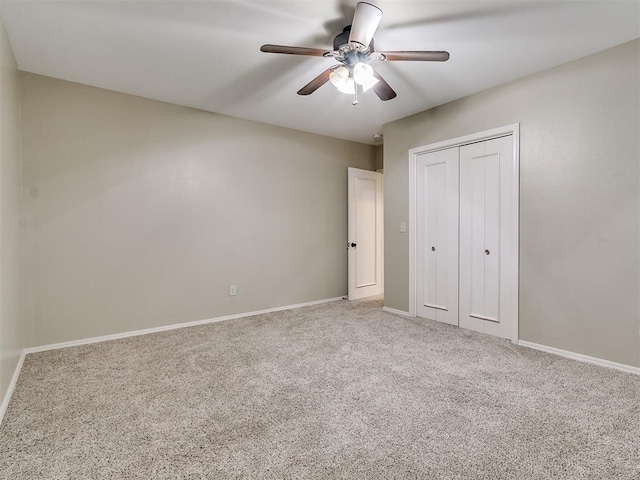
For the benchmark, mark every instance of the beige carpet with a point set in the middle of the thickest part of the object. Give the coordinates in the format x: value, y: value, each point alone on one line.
x: 341, y: 390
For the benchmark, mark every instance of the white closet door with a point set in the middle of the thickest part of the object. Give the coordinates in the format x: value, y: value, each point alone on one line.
x: 487, y: 172
x: 437, y: 214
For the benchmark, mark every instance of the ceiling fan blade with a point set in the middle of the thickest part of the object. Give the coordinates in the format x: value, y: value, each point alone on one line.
x: 316, y: 83
x: 414, y: 56
x: 314, y: 52
x: 382, y: 89
x: 365, y: 22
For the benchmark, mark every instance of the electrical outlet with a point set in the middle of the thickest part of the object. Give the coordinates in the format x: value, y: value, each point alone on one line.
x: 232, y: 290
x: 403, y: 227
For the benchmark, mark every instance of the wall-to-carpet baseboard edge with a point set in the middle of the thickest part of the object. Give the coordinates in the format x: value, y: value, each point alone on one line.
x: 397, y: 312
x: 16, y: 373
x: 12, y: 386
x: 580, y: 357
x: 557, y: 351
x: 135, y: 333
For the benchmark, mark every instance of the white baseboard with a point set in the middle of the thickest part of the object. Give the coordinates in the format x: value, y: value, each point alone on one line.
x: 397, y: 312
x: 135, y: 333
x: 582, y: 358
x: 12, y: 386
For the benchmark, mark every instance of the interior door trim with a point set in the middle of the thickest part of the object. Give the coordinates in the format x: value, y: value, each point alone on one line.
x: 514, y: 131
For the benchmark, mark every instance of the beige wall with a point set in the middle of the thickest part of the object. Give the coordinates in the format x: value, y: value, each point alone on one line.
x: 379, y: 157
x: 10, y: 301
x: 579, y: 210
x: 141, y: 214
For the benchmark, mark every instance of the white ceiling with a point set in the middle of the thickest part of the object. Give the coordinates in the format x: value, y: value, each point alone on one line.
x: 206, y: 54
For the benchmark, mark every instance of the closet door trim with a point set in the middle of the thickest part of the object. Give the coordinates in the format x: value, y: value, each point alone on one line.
x: 514, y: 131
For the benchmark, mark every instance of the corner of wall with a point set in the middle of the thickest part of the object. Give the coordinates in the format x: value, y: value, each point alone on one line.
x: 11, y: 235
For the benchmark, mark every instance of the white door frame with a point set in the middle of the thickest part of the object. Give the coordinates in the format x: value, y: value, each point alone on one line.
x: 513, y: 248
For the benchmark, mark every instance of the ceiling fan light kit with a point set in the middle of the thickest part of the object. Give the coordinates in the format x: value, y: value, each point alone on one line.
x: 354, y: 49
x: 346, y: 80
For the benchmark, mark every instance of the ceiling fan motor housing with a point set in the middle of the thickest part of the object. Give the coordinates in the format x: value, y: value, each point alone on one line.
x: 342, y: 40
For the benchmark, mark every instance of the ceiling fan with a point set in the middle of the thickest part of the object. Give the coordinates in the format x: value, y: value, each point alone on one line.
x: 353, y: 48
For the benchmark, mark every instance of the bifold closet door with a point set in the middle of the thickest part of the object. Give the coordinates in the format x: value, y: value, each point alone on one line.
x: 437, y: 235
x: 486, y: 193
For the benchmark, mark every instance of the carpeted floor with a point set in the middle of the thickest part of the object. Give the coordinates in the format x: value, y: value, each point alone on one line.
x: 340, y: 390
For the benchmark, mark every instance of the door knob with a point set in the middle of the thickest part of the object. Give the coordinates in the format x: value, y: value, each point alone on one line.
x: 353, y: 244
x: 487, y: 252
x: 433, y: 249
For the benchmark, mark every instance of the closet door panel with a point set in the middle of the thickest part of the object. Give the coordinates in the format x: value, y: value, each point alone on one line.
x: 434, y: 212
x: 486, y: 173
x: 484, y: 243
x: 491, y: 253
x: 437, y: 215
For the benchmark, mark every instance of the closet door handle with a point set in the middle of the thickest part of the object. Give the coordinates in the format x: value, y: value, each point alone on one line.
x: 433, y: 249
x: 487, y: 252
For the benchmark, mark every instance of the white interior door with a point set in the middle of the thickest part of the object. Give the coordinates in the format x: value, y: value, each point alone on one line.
x: 365, y: 233
x: 487, y: 172
x: 437, y: 224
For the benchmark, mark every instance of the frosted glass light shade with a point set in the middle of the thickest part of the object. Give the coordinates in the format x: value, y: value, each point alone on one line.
x: 363, y: 75
x: 349, y: 86
x: 341, y: 80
